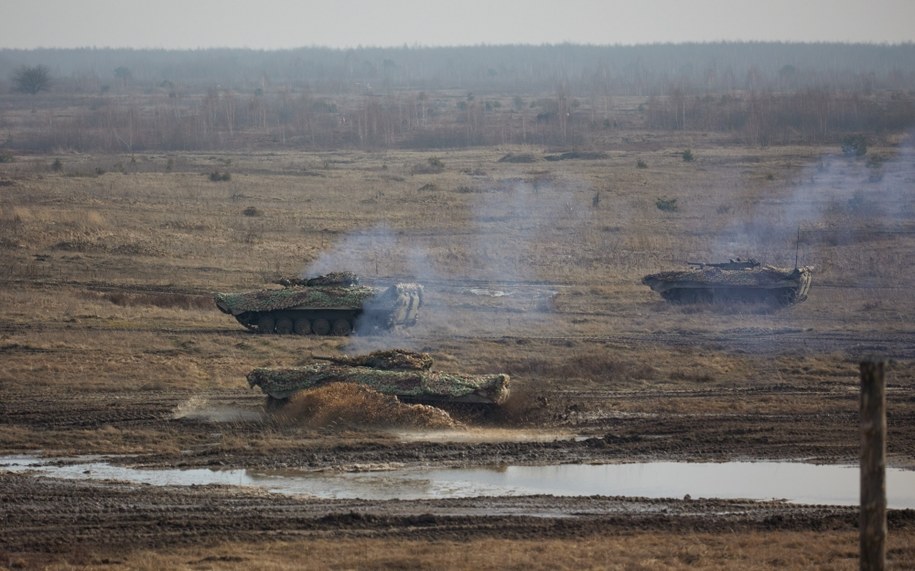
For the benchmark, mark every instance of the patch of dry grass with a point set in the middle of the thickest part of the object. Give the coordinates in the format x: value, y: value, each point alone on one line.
x: 677, y: 550
x: 108, y: 278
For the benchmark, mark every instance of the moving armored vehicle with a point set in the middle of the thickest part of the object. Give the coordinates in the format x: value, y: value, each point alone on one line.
x: 732, y: 281
x: 405, y: 374
x: 333, y: 304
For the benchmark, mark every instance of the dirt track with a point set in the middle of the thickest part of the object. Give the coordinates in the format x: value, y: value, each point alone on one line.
x: 812, y: 415
x: 47, y: 520
x: 813, y: 420
x: 124, y: 356
x: 114, y: 516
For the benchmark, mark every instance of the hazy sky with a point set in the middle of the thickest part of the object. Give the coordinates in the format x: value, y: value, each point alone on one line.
x: 270, y: 24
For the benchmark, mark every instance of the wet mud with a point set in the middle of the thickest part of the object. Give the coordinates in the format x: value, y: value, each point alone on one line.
x: 229, y: 429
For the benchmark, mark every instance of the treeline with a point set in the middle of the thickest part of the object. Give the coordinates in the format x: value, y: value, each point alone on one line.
x: 227, y: 120
x: 314, y: 98
x: 710, y: 68
x: 764, y: 118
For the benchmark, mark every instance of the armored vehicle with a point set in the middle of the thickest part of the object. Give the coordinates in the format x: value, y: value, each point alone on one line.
x: 405, y: 374
x: 333, y: 304
x: 732, y: 281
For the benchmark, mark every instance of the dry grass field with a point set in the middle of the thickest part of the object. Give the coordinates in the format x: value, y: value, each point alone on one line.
x: 111, y: 345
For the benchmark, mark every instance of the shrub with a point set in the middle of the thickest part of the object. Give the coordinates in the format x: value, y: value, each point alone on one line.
x: 7, y: 157
x: 875, y: 161
x: 32, y: 79
x: 217, y: 176
x: 57, y: 165
x: 433, y: 165
x: 252, y: 211
x: 666, y: 204
x: 640, y: 164
x: 854, y: 146
x: 687, y: 156
x: 518, y: 158
x: 580, y: 155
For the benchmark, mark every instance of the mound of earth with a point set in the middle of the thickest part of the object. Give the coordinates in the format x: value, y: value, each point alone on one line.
x: 348, y: 405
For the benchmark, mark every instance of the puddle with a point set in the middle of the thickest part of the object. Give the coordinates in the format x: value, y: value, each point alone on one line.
x: 483, y: 435
x: 489, y: 292
x: 791, y: 481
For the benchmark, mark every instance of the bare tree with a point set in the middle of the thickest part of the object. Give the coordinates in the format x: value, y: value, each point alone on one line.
x: 32, y: 79
x: 123, y: 75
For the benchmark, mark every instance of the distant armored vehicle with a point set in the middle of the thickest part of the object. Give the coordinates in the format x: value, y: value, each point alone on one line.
x: 405, y: 374
x: 333, y: 304
x: 732, y: 281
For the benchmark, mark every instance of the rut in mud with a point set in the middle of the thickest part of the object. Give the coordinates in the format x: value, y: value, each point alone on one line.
x: 108, y: 516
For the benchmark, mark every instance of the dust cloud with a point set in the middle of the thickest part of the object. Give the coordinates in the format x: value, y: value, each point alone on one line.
x: 836, y: 199
x: 200, y: 408
x: 490, y: 263
x: 348, y: 406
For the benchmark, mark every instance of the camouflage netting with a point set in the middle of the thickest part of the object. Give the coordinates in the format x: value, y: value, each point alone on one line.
x: 323, y: 297
x: 419, y: 385
x: 392, y: 360
x: 331, y: 279
x: 766, y: 276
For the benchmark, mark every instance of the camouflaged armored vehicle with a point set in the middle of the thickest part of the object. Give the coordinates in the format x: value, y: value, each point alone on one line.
x: 733, y: 281
x: 407, y: 375
x: 333, y: 304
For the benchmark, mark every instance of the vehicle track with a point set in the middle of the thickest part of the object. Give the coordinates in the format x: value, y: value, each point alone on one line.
x: 53, y: 517
x: 854, y: 344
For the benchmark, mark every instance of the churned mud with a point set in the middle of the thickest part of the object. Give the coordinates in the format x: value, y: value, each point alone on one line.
x: 113, y: 352
x: 344, y: 428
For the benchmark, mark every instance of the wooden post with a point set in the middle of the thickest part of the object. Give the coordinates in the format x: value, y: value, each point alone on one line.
x: 872, y: 523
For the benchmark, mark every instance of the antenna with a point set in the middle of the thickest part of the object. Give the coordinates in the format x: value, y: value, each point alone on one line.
x: 797, y: 245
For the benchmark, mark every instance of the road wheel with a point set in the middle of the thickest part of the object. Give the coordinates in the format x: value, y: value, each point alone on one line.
x: 341, y: 327
x: 320, y: 326
x: 274, y: 404
x: 284, y: 325
x: 673, y: 295
x: 302, y: 326
x: 265, y: 323
x: 785, y: 296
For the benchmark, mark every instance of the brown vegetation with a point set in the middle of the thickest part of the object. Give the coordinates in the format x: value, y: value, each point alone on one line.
x: 111, y: 345
x: 372, y: 99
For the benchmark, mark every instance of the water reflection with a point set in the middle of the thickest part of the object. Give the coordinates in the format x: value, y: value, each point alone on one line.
x: 792, y: 481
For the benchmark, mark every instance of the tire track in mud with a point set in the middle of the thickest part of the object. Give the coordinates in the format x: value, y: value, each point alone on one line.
x: 45, y: 515
x: 47, y: 409
x: 855, y: 345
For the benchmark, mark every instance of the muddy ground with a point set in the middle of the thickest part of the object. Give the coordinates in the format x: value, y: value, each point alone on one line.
x: 92, y: 523
x: 111, y: 347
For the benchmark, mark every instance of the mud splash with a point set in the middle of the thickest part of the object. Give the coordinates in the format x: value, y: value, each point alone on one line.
x: 348, y: 405
x: 200, y: 408
x: 788, y: 481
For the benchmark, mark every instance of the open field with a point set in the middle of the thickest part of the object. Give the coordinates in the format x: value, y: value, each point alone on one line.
x: 111, y: 346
